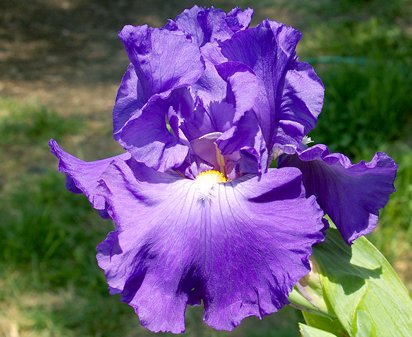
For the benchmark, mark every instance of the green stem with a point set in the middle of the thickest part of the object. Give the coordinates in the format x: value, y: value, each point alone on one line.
x: 299, y: 302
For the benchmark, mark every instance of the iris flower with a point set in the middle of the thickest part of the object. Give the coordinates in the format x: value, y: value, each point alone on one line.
x: 204, y: 107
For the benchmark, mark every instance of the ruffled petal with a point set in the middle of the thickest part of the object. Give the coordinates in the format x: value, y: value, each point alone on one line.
x: 129, y: 100
x: 240, y: 246
x: 140, y: 113
x: 149, y: 141
x: 245, y: 136
x: 238, y: 19
x: 206, y: 27
x: 267, y: 229
x: 210, y: 24
x: 151, y: 50
x: 290, y: 95
x: 81, y: 176
x: 247, y: 94
x: 210, y: 87
x: 243, y: 87
x: 188, y: 23
x: 267, y: 52
x: 302, y: 98
x: 351, y: 194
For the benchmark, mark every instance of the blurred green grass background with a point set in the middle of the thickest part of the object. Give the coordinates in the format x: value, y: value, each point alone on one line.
x: 60, y: 63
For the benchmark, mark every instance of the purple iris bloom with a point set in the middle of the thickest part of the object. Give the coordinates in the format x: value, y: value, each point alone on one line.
x: 205, y: 105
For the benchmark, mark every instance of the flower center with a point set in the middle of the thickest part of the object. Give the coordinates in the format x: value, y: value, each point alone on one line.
x: 206, y: 181
x: 211, y: 177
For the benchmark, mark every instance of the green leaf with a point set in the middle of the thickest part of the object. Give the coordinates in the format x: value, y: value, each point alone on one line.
x: 362, y: 289
x: 327, y: 324
x: 308, y: 331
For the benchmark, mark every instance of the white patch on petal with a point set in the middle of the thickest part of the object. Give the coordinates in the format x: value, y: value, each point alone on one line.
x: 206, y: 182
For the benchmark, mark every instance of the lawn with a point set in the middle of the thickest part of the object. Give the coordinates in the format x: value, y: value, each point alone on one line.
x: 50, y: 284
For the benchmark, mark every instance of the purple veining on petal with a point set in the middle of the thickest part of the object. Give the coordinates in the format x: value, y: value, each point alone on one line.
x: 351, y: 194
x: 240, y: 246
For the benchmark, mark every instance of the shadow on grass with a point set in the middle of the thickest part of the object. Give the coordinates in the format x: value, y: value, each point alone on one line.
x: 76, y: 40
x: 43, y: 40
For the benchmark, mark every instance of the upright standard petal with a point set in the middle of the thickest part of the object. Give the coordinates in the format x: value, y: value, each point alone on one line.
x: 81, y: 176
x: 151, y: 76
x: 293, y: 94
x: 239, y: 246
x: 129, y: 100
x: 206, y: 25
x: 302, y: 98
x: 246, y: 92
x: 151, y: 50
x: 351, y: 194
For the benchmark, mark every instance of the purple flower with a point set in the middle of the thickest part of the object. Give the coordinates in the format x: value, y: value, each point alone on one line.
x: 239, y: 246
x: 213, y: 81
x: 205, y: 105
x: 351, y: 194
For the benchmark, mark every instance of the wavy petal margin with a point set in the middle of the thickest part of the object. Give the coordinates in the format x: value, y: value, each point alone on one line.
x: 206, y: 25
x: 351, y: 194
x: 82, y: 176
x: 240, y: 247
x: 292, y: 95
